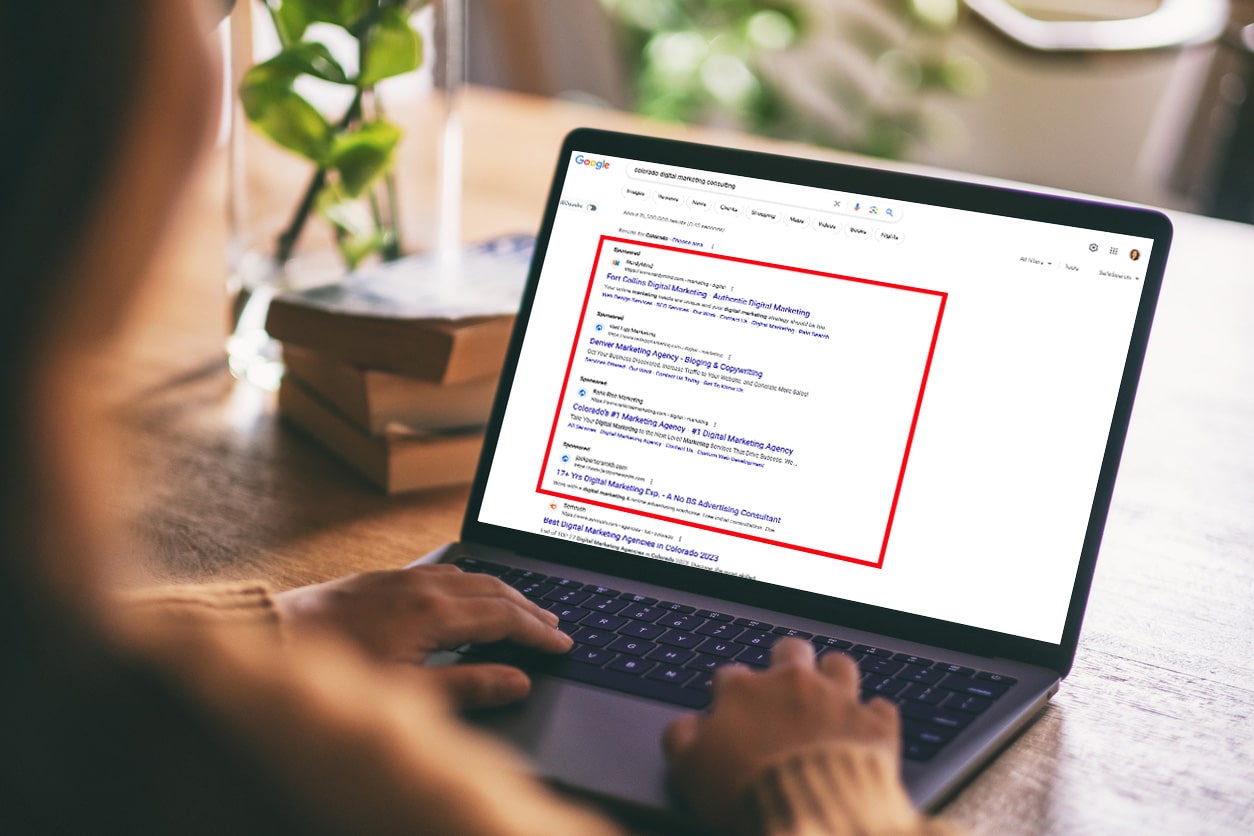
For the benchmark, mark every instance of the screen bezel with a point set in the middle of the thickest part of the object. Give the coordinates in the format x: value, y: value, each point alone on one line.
x: 1066, y: 211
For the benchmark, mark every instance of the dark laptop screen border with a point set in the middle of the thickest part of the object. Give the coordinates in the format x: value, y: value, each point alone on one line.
x: 991, y: 200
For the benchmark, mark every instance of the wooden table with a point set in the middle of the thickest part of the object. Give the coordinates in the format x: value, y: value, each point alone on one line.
x: 1153, y: 731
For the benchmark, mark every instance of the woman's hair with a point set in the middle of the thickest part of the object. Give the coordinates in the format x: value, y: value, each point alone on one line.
x: 95, y: 739
x: 68, y: 73
x: 68, y: 76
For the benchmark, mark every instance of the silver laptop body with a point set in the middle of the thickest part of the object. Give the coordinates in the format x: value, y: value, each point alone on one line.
x: 881, y: 411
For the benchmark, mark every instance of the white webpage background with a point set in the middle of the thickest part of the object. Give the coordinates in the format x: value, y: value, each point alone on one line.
x: 997, y: 494
x: 828, y: 387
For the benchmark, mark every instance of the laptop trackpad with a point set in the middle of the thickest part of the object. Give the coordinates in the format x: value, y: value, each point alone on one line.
x: 591, y: 740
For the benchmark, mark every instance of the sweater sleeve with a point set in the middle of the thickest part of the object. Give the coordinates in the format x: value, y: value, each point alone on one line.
x: 834, y: 791
x: 248, y: 604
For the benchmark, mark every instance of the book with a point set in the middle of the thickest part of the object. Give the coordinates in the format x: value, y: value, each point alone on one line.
x: 405, y: 317
x: 376, y: 400
x: 395, y: 462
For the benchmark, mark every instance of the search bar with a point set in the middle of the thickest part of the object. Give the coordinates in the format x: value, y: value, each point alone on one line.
x: 842, y: 203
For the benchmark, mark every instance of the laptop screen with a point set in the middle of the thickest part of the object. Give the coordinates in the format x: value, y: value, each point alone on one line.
x: 881, y: 400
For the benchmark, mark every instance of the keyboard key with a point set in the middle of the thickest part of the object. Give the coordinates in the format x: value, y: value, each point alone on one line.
x: 969, y: 704
x: 600, y: 603
x: 759, y: 657
x: 958, y: 669
x: 570, y: 628
x: 671, y: 655
x: 632, y: 598
x: 666, y: 690
x: 881, y: 666
x: 636, y: 647
x: 754, y: 625
x: 828, y: 643
x: 791, y: 631
x: 720, y: 647
x: 604, y: 622
x: 701, y: 662
x: 973, y: 687
x: 926, y: 732
x: 525, y: 575
x: 679, y: 622
x: 926, y: 694
x: 926, y: 676
x: 665, y: 673
x: 676, y: 638
x: 592, y: 638
x: 714, y: 615
x: 504, y: 652
x: 565, y: 582
x: 867, y: 650
x: 601, y: 590
x: 474, y: 564
x: 631, y: 664
x: 673, y: 607
x: 641, y: 630
x: 641, y: 612
x: 565, y: 612
x: 720, y: 630
x: 756, y: 639
x: 913, y: 660
x: 913, y: 750
x: 939, y: 716
x: 536, y: 590
x: 996, y: 677
x: 562, y: 595
x: 589, y: 655
x: 884, y: 686
x: 701, y: 682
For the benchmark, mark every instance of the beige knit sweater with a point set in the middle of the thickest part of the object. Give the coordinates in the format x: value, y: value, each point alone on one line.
x: 370, y: 749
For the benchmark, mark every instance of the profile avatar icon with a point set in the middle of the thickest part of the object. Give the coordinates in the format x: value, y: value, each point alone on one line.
x: 1135, y: 255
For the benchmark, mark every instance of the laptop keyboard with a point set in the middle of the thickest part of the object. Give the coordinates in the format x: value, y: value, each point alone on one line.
x: 668, y: 650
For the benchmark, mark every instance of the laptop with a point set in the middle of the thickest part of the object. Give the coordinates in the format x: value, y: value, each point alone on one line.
x: 750, y: 396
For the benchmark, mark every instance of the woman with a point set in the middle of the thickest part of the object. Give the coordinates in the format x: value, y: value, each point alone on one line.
x: 228, y: 709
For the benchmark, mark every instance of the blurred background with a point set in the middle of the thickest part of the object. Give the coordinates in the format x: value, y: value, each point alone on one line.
x: 1149, y: 101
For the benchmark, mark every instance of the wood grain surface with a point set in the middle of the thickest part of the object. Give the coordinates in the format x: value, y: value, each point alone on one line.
x: 1153, y: 731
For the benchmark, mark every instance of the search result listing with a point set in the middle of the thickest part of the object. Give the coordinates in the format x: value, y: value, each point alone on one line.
x: 749, y: 400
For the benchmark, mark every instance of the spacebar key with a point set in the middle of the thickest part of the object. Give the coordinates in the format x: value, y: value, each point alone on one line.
x: 627, y: 683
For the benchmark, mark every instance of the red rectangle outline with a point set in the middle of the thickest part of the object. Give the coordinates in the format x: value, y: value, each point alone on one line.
x: 914, y: 421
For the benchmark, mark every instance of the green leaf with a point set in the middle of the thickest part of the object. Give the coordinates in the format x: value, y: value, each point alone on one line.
x: 300, y: 59
x: 355, y: 232
x: 392, y: 47
x: 282, y: 114
x: 356, y: 248
x: 289, y: 19
x: 340, y: 12
x: 363, y: 155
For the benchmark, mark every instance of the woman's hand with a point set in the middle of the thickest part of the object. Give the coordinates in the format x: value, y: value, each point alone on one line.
x: 757, y: 717
x: 405, y: 615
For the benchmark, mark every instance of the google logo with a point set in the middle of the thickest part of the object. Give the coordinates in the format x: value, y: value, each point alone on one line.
x: 580, y: 159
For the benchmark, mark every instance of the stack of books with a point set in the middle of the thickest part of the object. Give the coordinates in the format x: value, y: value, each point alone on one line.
x: 395, y: 383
